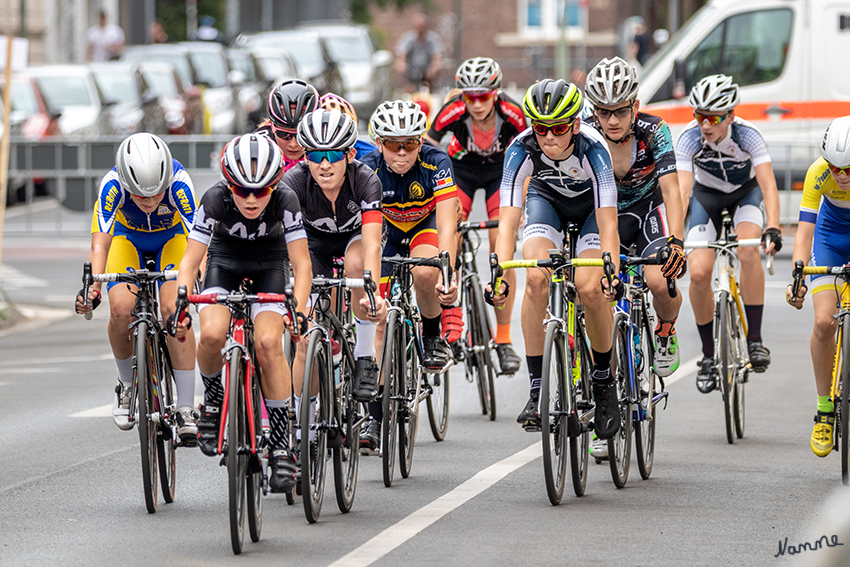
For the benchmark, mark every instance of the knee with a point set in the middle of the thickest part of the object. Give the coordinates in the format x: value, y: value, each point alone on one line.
x: 824, y: 326
x: 590, y: 292
x: 354, y: 265
x: 119, y: 312
x: 425, y: 279
x: 748, y: 255
x: 210, y: 341
x: 700, y: 272
x: 537, y: 285
x: 267, y: 345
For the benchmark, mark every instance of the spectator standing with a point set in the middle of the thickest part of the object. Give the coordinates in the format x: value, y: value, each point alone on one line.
x: 208, y: 32
x: 104, y: 41
x: 419, y: 55
x: 157, y: 32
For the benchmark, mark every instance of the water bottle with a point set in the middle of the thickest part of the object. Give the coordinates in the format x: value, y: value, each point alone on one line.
x: 637, y: 345
x: 336, y: 351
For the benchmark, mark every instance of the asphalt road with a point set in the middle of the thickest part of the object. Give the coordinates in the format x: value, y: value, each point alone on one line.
x: 71, y: 490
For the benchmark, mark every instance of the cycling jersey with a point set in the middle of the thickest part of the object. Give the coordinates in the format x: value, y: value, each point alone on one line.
x: 819, y: 183
x: 265, y: 129
x: 363, y: 147
x: 410, y: 198
x: 652, y: 158
x: 114, y: 206
x: 724, y: 166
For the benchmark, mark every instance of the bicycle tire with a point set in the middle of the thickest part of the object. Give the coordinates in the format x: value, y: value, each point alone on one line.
x: 255, y: 468
x: 580, y: 394
x: 645, y: 428
x: 620, y: 446
x: 165, y: 438
x: 485, y: 356
x: 346, y: 461
x: 474, y: 361
x: 553, y: 417
x: 741, y: 360
x: 237, y: 458
x: 146, y: 408
x: 391, y: 371
x: 726, y: 365
x: 411, y: 384
x: 314, y: 454
x: 843, y: 413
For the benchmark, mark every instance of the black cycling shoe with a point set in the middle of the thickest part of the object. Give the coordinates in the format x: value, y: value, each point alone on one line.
x: 370, y: 436
x: 365, y: 379
x: 284, y: 469
x: 759, y: 356
x: 606, y: 420
x: 437, y: 353
x: 530, y: 417
x: 706, y: 376
x: 509, y: 360
x: 208, y: 426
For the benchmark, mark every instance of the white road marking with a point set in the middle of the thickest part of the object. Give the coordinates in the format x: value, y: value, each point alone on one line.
x: 29, y: 370
x: 56, y: 360
x: 106, y: 411
x: 396, y: 535
x: 14, y: 279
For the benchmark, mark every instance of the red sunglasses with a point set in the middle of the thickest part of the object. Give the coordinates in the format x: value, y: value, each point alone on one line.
x: 558, y: 129
x: 470, y: 97
x: 838, y: 170
x: 245, y: 192
x: 713, y: 120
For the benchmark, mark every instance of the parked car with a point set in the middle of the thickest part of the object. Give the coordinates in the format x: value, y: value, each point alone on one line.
x: 30, y: 116
x: 221, y: 98
x: 276, y: 64
x: 247, y: 76
x: 136, y: 107
x: 71, y: 90
x: 311, y: 55
x: 365, y: 69
x: 183, y: 113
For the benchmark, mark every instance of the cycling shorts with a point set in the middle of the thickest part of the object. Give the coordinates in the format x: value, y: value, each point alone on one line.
x: 547, y: 219
x: 324, y: 247
x: 644, y: 224
x: 830, y: 246
x: 225, y: 274
x: 399, y: 243
x: 129, y: 248
x: 471, y: 178
x: 745, y: 204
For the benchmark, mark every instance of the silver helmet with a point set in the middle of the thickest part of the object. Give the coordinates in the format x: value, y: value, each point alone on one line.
x: 327, y: 130
x: 611, y: 82
x: 715, y: 93
x: 144, y: 165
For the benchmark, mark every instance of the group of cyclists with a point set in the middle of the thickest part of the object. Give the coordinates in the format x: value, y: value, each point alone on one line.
x: 303, y: 190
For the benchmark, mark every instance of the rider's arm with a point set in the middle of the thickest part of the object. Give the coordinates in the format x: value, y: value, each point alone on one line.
x: 299, y: 256
x: 767, y: 183
x: 191, y: 262
x: 446, y: 211
x: 673, y: 203
x: 100, y: 242
x: 803, y: 242
x: 371, y: 236
x: 609, y: 237
x: 686, y: 183
x: 689, y: 143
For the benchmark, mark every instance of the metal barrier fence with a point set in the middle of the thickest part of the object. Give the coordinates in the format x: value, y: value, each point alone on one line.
x: 70, y: 171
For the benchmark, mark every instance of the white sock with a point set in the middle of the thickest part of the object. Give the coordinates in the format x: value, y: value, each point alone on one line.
x: 365, y: 344
x: 298, y: 416
x: 185, y: 380
x: 125, y: 371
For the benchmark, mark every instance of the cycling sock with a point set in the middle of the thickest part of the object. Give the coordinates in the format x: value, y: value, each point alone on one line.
x: 825, y: 405
x: 365, y: 345
x: 125, y: 371
x: 665, y: 328
x: 706, y: 334
x: 279, y: 435
x: 431, y: 327
x: 185, y: 380
x: 535, y: 370
x: 376, y: 410
x: 754, y: 313
x: 213, y: 390
x: 601, y: 361
x: 503, y: 334
x: 602, y: 376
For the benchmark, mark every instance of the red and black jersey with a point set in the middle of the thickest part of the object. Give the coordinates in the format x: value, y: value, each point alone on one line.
x: 454, y: 118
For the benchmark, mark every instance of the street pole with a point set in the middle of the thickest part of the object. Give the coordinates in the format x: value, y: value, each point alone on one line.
x: 191, y: 18
x: 4, y: 142
x: 23, y: 32
x: 672, y: 15
x: 458, y: 36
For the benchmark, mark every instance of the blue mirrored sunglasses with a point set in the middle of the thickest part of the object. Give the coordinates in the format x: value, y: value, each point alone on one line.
x: 332, y: 156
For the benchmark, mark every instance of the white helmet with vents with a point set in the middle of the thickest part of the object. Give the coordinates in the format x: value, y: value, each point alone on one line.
x: 835, y: 146
x: 398, y: 118
x: 327, y: 130
x: 479, y: 73
x: 144, y: 165
x: 252, y: 161
x: 715, y: 93
x: 611, y: 82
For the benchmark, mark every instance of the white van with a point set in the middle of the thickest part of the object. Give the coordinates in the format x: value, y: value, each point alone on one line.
x: 790, y: 58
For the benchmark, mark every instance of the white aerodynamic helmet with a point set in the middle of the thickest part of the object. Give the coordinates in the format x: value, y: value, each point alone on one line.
x: 397, y: 118
x: 479, y: 73
x: 252, y: 161
x: 611, y: 82
x: 835, y: 146
x: 715, y: 93
x: 144, y: 165
x: 327, y: 130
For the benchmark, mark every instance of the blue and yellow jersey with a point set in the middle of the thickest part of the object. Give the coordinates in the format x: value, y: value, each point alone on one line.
x: 819, y: 183
x: 114, y: 205
x: 410, y: 198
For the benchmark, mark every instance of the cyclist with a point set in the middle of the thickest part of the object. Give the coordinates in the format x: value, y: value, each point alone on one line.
x: 822, y: 240
x: 420, y: 210
x: 341, y: 205
x: 288, y: 103
x: 331, y: 101
x: 570, y: 179
x: 725, y: 160
x: 483, y: 121
x: 145, y: 208
x: 249, y: 227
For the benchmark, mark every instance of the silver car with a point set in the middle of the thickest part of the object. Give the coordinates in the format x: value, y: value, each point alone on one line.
x: 136, y: 107
x: 71, y: 90
x: 221, y: 98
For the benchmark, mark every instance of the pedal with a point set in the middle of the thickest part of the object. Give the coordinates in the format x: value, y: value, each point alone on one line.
x: 366, y: 452
x: 532, y: 426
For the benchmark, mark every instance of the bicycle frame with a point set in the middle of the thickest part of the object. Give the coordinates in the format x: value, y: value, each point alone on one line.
x: 240, y: 342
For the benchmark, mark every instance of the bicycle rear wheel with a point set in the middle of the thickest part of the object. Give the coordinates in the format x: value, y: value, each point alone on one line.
x: 476, y: 360
x: 438, y: 405
x: 237, y: 453
x: 408, y: 422
x: 165, y: 449
x: 146, y: 408
x: 741, y: 357
x: 843, y: 414
x: 392, y: 362
x: 726, y: 368
x: 579, y: 384
x: 620, y: 446
x: 255, y: 467
x: 345, y: 453
x: 485, y: 356
x: 314, y: 453
x: 553, y: 415
x: 645, y: 427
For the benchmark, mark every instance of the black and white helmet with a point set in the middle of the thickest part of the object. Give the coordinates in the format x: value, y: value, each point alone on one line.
x: 144, y: 165
x: 835, y: 146
x: 611, y: 82
x: 252, y: 161
x: 479, y: 73
x: 327, y: 130
x: 715, y: 93
x: 398, y: 118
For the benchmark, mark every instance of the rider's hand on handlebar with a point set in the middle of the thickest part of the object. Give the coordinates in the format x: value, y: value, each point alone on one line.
x: 178, y: 328
x: 796, y: 302
x: 366, y: 309
x: 775, y: 240
x: 447, y: 297
x: 615, y: 294
x: 676, y: 263
x: 303, y: 325
x: 94, y: 301
x: 497, y: 300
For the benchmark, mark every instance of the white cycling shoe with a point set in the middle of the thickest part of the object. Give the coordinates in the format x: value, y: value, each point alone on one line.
x: 121, y: 408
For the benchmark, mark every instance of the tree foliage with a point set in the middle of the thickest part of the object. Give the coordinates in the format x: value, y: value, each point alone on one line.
x: 173, y: 15
x: 360, y: 8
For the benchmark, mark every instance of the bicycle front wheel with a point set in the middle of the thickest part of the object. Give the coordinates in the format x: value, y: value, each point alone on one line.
x: 314, y: 426
x: 843, y: 415
x: 408, y: 422
x: 146, y: 404
x: 580, y: 394
x: 726, y: 367
x: 345, y: 454
x: 741, y: 359
x: 553, y: 415
x: 237, y: 452
x: 644, y: 422
x: 392, y: 361
x: 255, y: 467
x: 620, y: 446
x: 165, y: 449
